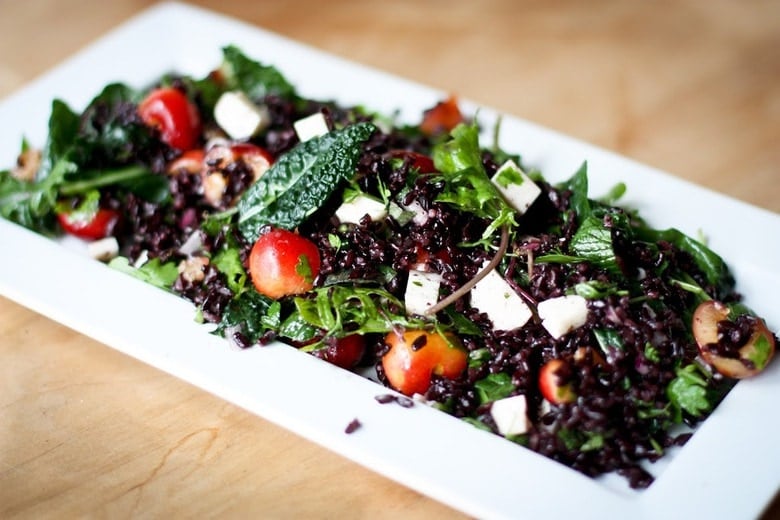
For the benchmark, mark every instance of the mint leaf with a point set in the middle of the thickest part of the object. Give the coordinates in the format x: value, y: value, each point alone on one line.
x: 578, y: 185
x: 593, y: 242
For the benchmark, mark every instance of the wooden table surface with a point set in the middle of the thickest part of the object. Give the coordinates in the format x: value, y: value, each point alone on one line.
x: 690, y: 87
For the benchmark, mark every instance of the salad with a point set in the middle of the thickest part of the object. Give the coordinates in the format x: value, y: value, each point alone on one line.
x: 413, y: 253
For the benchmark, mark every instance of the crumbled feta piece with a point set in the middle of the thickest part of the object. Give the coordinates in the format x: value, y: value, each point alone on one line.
x: 314, y: 125
x: 422, y: 291
x: 104, y: 249
x: 143, y: 257
x: 495, y: 297
x: 563, y: 314
x: 354, y: 210
x: 239, y: 117
x: 510, y: 415
x: 517, y: 188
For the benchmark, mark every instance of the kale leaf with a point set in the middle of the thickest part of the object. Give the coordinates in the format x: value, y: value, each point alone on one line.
x: 83, y: 153
x: 301, y: 180
x: 254, y: 79
x: 251, y: 314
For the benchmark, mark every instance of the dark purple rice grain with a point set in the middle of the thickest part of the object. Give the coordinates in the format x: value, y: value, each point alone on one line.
x: 402, y: 401
x: 353, y: 425
x: 419, y: 342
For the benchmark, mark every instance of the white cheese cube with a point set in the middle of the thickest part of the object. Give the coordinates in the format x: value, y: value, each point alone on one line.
x: 420, y: 214
x: 422, y: 291
x: 563, y: 314
x: 352, y: 211
x: 314, y: 125
x: 239, y: 117
x: 516, y: 187
x: 504, y: 307
x: 511, y: 415
x: 104, y: 249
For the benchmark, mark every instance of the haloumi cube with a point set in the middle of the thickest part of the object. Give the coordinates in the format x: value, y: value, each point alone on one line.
x: 239, y: 117
x: 360, y: 206
x: 504, y: 307
x: 311, y: 126
x: 422, y: 291
x: 516, y: 187
x: 563, y: 314
x: 511, y: 415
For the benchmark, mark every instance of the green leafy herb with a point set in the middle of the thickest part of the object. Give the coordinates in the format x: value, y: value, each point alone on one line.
x: 652, y: 354
x: 86, y: 209
x: 251, y: 314
x: 608, y: 339
x: 714, y: 268
x: 593, y: 241
x: 579, y: 440
x: 63, y: 130
x: 216, y: 222
x: 479, y: 357
x: 594, y: 441
x: 296, y: 329
x: 559, y: 258
x: 578, y: 185
x: 254, y: 79
x: 509, y: 176
x: 31, y: 204
x: 82, y: 154
x: 160, y: 274
x: 614, y: 194
x: 477, y: 423
x: 688, y: 392
x: 303, y: 269
x: 228, y: 262
x: 342, y: 310
x: 301, y: 180
x: 461, y: 324
x: 494, y: 387
x: 467, y: 185
x: 687, y: 283
x: 334, y: 241
x: 595, y: 289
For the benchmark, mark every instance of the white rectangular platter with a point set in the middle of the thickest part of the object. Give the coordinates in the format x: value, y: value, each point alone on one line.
x: 730, y: 468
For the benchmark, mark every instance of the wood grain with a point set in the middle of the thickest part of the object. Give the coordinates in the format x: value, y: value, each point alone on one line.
x: 690, y: 87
